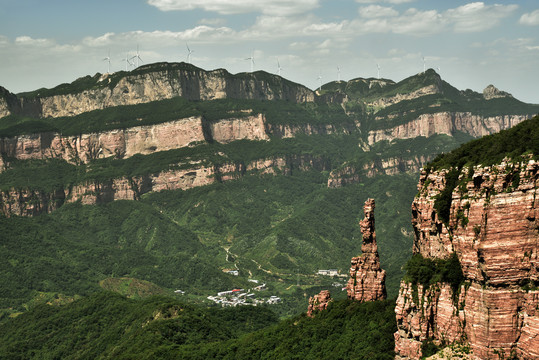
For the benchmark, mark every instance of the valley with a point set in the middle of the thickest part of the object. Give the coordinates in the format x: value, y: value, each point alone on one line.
x: 169, y: 176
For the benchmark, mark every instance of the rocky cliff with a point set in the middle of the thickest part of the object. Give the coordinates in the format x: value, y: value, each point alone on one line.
x: 22, y: 201
x: 124, y: 143
x: 164, y: 81
x: 367, y: 278
x: 493, y: 228
x: 447, y: 123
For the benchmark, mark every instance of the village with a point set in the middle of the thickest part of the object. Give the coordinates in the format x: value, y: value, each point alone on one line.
x: 241, y: 297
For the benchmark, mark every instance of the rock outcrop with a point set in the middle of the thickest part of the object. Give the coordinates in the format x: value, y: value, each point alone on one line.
x: 319, y: 302
x: 367, y: 279
x: 493, y: 228
x: 491, y: 92
x: 385, y: 102
x: 164, y: 81
x: 447, y: 123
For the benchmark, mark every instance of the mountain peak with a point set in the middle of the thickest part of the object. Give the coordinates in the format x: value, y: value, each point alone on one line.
x: 492, y: 92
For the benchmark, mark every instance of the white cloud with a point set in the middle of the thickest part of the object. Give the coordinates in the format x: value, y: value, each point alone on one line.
x: 29, y: 41
x: 531, y: 19
x: 212, y: 22
x: 227, y: 7
x: 373, y: 11
x: 477, y: 16
x: 386, y: 1
x: 472, y: 17
x: 416, y: 22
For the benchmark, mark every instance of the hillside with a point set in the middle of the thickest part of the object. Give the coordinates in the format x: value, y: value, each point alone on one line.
x: 248, y: 172
x: 107, y: 326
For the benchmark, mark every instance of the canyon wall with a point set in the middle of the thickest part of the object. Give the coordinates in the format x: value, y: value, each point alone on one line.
x: 124, y: 143
x: 447, y: 123
x: 493, y: 228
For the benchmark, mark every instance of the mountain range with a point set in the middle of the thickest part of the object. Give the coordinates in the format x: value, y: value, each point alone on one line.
x: 174, y: 175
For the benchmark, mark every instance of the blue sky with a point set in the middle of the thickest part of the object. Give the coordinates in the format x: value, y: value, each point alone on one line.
x: 473, y: 44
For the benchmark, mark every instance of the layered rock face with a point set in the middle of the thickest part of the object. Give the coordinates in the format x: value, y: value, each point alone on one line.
x: 367, y: 279
x: 494, y: 230
x: 164, y: 81
x: 447, y: 123
x: 124, y: 143
x: 427, y: 90
x: 319, y: 302
x: 29, y: 202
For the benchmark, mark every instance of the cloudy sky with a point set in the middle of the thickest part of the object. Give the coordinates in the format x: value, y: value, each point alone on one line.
x: 472, y: 44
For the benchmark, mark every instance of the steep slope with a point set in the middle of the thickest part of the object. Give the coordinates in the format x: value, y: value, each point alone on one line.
x: 484, y: 210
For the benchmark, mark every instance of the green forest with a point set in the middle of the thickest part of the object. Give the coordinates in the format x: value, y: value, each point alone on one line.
x: 108, y: 326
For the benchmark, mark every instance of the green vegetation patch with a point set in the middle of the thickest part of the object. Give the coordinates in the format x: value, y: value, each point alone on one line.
x: 425, y: 271
x: 489, y: 150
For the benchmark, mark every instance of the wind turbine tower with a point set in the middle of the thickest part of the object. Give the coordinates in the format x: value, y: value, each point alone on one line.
x: 108, y: 60
x: 319, y: 81
x: 127, y: 61
x: 279, y: 68
x: 189, y: 52
x: 137, y: 57
x: 252, y: 59
x: 424, y: 65
x: 378, y: 67
x: 338, y: 74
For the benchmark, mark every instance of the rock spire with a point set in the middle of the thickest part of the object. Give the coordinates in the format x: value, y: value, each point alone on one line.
x: 367, y: 279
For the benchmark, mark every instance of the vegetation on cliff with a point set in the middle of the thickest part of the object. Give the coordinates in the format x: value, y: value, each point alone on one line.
x: 492, y: 149
x: 109, y: 326
x: 513, y: 144
x: 425, y: 271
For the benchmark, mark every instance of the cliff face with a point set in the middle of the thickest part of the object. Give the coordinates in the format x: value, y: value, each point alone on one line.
x: 367, y: 279
x: 164, y: 81
x: 447, y: 123
x: 27, y: 202
x: 124, y: 143
x: 387, y: 101
x: 494, y: 229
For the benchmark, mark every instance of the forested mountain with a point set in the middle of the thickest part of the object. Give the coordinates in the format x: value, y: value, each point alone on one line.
x: 170, y: 176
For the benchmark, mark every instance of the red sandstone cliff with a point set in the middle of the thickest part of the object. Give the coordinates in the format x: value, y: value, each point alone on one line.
x: 319, y: 302
x: 494, y: 230
x: 367, y: 279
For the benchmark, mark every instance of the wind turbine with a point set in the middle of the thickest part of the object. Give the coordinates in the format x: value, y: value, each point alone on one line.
x: 127, y: 61
x: 338, y: 74
x: 378, y: 67
x: 319, y: 81
x: 137, y: 56
x: 252, y: 58
x: 424, y: 65
x: 108, y: 59
x: 279, y: 68
x: 189, y: 52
